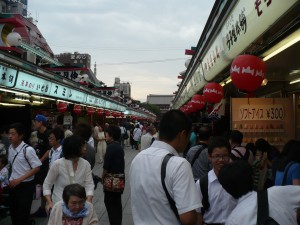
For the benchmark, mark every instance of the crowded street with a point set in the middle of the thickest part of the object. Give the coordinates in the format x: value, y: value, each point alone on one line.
x: 98, y: 199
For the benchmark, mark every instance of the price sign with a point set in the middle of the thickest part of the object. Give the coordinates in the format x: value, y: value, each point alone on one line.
x: 261, y: 112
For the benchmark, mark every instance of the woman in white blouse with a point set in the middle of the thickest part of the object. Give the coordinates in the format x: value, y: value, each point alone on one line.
x: 70, y: 169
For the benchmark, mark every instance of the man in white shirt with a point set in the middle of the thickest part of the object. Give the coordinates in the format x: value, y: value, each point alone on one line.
x: 236, y: 179
x: 220, y: 203
x: 55, y: 137
x: 147, y: 139
x: 24, y: 165
x: 150, y: 205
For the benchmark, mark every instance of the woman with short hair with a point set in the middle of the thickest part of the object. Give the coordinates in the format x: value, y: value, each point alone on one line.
x: 73, y: 209
x: 69, y: 169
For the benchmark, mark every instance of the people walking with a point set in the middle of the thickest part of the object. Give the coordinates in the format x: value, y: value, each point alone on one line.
x: 24, y: 165
x: 113, y: 168
x: 149, y: 201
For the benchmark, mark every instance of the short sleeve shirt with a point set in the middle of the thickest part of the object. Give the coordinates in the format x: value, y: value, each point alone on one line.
x: 292, y: 174
x: 20, y: 165
x: 149, y: 203
x: 283, y: 204
x: 221, y: 203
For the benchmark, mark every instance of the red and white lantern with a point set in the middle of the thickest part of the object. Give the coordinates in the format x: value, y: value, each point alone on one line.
x: 213, y: 92
x: 62, y: 107
x: 198, y: 101
x: 90, y: 110
x: 100, y: 112
x: 247, y: 72
x: 77, y: 109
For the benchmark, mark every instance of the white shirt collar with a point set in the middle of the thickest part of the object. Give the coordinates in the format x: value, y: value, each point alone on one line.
x: 164, y: 145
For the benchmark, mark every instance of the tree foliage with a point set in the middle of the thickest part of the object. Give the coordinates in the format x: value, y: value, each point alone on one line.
x: 152, y: 108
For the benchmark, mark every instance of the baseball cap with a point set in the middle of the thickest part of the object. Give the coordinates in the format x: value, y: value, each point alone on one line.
x: 40, y: 118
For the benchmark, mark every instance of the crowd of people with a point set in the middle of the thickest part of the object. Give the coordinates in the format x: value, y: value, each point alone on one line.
x: 182, y: 174
x: 59, y: 162
x: 218, y: 180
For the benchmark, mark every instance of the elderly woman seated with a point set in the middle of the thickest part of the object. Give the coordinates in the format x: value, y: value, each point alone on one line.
x: 74, y: 209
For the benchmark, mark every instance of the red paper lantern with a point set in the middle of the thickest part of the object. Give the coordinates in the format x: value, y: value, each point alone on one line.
x: 107, y: 113
x: 77, y: 109
x: 198, y: 101
x: 100, y: 112
x: 90, y: 110
x: 213, y: 92
x: 62, y: 107
x: 114, y: 114
x: 247, y: 72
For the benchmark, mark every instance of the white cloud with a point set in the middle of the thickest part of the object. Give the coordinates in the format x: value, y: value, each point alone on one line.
x: 126, y: 31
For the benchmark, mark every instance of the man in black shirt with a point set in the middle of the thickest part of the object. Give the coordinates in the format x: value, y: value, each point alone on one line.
x: 113, y: 163
x: 42, y: 150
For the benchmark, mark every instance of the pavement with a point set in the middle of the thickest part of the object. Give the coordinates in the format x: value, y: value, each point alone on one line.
x: 98, y: 199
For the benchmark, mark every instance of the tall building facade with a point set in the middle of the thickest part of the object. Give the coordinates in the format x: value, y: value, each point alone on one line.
x: 75, y: 59
x: 162, y: 101
x: 124, y: 88
x: 14, y: 6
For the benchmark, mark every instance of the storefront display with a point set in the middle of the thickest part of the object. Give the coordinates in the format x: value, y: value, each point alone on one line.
x: 268, y: 118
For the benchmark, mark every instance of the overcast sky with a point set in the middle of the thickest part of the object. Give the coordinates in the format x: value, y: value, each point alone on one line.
x: 122, y: 34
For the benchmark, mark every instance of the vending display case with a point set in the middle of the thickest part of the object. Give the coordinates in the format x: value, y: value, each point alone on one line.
x: 268, y: 118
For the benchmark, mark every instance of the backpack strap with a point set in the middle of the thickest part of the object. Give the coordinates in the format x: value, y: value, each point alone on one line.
x: 238, y: 152
x: 24, y: 152
x: 201, y: 147
x: 163, y: 175
x: 262, y: 206
x: 285, y: 173
x: 204, y: 190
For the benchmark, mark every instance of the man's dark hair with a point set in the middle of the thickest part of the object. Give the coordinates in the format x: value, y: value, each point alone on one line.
x: 83, y: 130
x: 236, y: 178
x: 58, y: 133
x: 72, y: 146
x: 73, y: 190
x: 204, y: 133
x: 114, y: 132
x: 218, y: 142
x: 172, y: 123
x: 18, y: 127
x: 236, y: 136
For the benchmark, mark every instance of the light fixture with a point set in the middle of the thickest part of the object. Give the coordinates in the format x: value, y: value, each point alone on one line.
x: 295, y: 81
x: 281, y: 46
x: 38, y: 102
x: 15, y: 92
x: 228, y: 81
x: 36, y: 96
x: 264, y: 82
x: 11, y: 104
x: 222, y: 84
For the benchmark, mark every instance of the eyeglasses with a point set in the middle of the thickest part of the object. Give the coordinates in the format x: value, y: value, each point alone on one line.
x: 220, y: 157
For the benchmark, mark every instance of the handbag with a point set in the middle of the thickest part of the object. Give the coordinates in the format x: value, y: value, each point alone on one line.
x: 114, y: 182
x: 125, y: 135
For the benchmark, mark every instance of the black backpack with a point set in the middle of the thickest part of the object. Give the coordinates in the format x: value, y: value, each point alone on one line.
x: 241, y: 156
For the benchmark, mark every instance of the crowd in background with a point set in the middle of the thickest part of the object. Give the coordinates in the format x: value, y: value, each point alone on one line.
x: 206, y: 179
